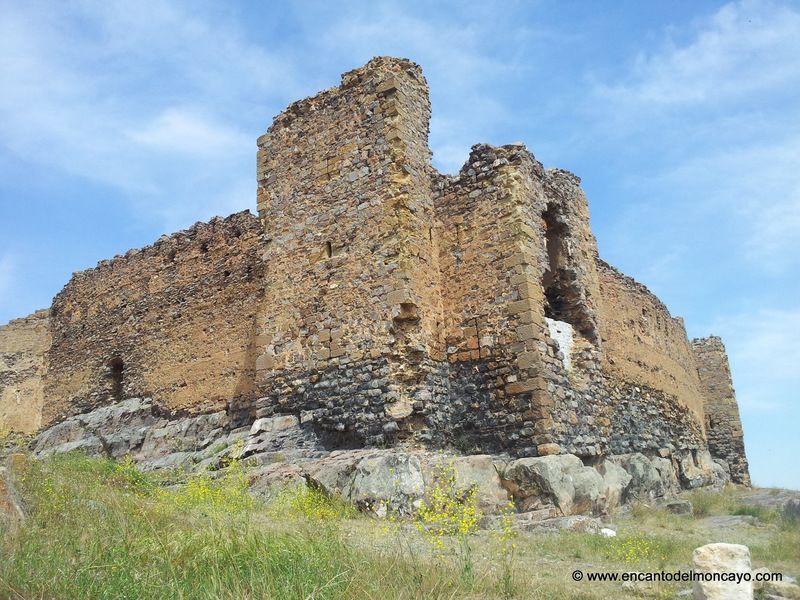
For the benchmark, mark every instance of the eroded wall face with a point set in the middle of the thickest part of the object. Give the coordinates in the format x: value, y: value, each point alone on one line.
x: 349, y: 328
x: 23, y: 344
x: 174, y: 321
x: 519, y: 277
x: 642, y: 343
x: 723, y: 424
x: 487, y: 234
x: 590, y: 410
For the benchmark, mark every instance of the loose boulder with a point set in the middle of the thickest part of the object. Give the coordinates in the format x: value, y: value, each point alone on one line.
x: 388, y: 482
x: 725, y: 560
x: 589, y: 497
x: 697, y: 469
x: 615, y: 482
x: 679, y: 507
x: 375, y: 481
x: 667, y: 474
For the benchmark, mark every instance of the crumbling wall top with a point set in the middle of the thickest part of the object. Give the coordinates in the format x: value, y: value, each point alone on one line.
x: 377, y: 69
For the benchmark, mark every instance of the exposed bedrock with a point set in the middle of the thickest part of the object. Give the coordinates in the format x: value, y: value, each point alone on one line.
x: 285, y: 450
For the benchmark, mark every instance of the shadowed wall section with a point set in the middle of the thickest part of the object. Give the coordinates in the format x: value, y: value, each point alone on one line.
x: 723, y: 424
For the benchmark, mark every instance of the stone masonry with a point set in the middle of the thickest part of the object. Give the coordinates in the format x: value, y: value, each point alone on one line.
x: 175, y: 319
x: 384, y: 304
x: 723, y: 425
x: 23, y: 343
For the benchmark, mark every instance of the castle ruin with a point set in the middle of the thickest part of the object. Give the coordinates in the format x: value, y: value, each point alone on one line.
x: 384, y: 304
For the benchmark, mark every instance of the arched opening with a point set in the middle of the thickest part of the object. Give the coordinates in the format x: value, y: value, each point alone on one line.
x: 116, y: 371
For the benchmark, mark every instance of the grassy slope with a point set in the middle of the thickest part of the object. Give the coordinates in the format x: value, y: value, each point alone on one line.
x: 99, y: 529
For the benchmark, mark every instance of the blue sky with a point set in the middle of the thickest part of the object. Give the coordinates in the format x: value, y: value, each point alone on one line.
x: 121, y: 121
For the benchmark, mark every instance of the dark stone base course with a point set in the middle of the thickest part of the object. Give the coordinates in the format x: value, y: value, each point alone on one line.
x: 455, y: 405
x: 463, y: 406
x: 619, y: 418
x: 725, y: 444
x: 483, y: 418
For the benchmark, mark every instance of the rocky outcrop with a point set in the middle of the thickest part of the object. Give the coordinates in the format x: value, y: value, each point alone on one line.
x: 368, y: 478
x: 698, y: 469
x: 131, y: 428
x: 479, y: 471
x: 561, y: 480
x: 284, y: 451
x: 615, y: 482
x: 383, y: 481
x: 134, y: 428
x: 646, y: 481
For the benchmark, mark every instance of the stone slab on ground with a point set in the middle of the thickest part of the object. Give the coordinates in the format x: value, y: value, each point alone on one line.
x: 10, y: 502
x: 722, y: 558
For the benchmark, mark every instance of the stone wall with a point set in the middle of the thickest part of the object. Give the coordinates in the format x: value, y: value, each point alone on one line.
x: 23, y: 343
x: 484, y: 233
x: 642, y: 343
x: 174, y: 321
x: 723, y: 424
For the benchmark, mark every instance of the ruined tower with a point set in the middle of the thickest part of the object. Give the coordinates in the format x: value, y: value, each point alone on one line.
x: 723, y: 424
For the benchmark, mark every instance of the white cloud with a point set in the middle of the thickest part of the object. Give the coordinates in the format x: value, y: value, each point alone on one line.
x: 720, y: 110
x: 183, y: 131
x: 145, y: 98
x: 747, y: 48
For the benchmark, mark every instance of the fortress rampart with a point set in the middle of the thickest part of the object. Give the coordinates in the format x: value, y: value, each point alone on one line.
x: 383, y: 303
x: 174, y: 320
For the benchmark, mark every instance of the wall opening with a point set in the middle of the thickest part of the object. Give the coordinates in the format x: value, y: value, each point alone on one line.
x: 556, y: 305
x: 328, y: 249
x: 563, y: 298
x: 116, y: 373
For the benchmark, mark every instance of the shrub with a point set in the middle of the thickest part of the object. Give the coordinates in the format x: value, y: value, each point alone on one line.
x: 309, y: 503
x: 447, y: 510
x: 448, y: 516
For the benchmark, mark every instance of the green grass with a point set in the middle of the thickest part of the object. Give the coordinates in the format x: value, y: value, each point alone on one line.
x: 100, y: 529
